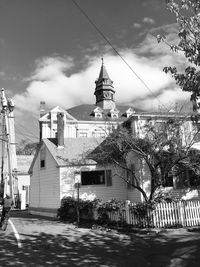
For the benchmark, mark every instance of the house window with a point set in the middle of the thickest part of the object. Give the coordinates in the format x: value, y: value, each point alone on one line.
x: 42, y: 163
x: 83, y: 134
x: 168, y: 181
x: 100, y: 177
x: 100, y: 134
x: 42, y: 158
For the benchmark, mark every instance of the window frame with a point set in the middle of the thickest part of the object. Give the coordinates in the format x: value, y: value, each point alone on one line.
x: 43, y: 158
x: 107, y: 178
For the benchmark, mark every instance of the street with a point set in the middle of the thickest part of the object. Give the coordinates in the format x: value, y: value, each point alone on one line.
x: 47, y: 242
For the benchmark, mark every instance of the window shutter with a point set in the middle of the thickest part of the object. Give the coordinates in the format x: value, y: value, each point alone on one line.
x: 108, y: 178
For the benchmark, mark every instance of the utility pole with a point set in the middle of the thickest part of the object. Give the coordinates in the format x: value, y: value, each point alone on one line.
x: 8, y: 153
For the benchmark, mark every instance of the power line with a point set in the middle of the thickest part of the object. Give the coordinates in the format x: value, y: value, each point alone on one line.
x: 106, y: 39
x: 26, y: 135
x: 25, y: 129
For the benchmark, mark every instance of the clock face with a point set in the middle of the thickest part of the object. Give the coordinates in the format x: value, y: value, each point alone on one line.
x: 106, y: 94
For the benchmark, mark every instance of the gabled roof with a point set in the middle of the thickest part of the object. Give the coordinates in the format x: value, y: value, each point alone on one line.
x: 56, y: 110
x: 157, y: 115
x: 85, y: 112
x: 74, y: 153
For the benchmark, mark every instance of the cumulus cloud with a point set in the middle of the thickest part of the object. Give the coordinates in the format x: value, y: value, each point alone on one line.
x: 137, y: 25
x: 146, y: 85
x: 167, y: 100
x: 2, y: 74
x: 148, y: 20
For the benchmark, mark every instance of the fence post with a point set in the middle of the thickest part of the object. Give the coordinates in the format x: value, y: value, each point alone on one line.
x: 127, y: 211
x: 182, y: 217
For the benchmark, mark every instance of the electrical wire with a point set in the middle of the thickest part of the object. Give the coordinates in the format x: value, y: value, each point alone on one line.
x: 28, y: 137
x: 21, y: 129
x: 115, y: 50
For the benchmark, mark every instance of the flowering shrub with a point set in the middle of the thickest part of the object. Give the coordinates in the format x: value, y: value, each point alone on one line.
x: 111, y: 206
x: 141, y: 209
x: 163, y: 197
x: 69, y: 205
x: 142, y: 212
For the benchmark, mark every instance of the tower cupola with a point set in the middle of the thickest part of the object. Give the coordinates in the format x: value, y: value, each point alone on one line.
x: 104, y: 91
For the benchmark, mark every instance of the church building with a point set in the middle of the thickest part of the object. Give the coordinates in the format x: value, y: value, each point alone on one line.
x: 67, y: 136
x: 87, y: 120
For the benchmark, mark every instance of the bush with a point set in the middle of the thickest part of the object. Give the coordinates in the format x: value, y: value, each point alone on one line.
x: 103, y: 208
x: 143, y: 213
x: 69, y: 206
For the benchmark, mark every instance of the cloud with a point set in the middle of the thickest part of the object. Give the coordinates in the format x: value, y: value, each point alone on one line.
x: 167, y: 100
x: 153, y: 4
x: 2, y: 74
x: 148, y: 20
x: 145, y: 85
x: 137, y: 25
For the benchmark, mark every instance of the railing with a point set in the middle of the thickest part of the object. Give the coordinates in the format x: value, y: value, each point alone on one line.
x: 164, y: 215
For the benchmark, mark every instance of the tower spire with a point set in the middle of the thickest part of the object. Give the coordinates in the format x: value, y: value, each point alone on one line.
x: 104, y: 90
x: 102, y: 60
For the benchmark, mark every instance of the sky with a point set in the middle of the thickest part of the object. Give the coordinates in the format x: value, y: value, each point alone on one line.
x: 50, y: 51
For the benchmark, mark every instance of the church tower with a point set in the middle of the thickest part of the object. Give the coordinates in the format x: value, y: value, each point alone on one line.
x: 104, y: 91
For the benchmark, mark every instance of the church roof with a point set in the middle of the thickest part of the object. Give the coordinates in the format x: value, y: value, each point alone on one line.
x: 103, y: 82
x: 85, y: 112
x: 103, y: 73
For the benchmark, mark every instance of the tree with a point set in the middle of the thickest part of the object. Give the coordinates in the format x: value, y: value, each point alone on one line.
x: 164, y: 149
x: 25, y: 147
x: 187, y: 14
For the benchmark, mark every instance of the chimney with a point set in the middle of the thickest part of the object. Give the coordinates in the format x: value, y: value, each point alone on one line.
x: 42, y: 108
x: 60, y: 129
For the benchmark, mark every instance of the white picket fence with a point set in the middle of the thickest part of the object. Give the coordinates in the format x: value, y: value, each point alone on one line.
x: 165, y: 214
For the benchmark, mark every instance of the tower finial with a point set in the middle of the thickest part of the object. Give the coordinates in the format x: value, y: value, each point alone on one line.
x: 102, y: 59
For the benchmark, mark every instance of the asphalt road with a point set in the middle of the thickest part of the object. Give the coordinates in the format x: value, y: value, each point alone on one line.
x: 45, y: 242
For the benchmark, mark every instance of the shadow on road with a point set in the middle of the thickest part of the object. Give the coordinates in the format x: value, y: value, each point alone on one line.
x: 73, y: 248
x: 86, y: 247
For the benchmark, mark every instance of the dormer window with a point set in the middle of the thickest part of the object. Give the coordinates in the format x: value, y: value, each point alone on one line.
x: 98, y: 112
x: 129, y: 112
x: 114, y: 116
x: 114, y: 113
x: 98, y: 115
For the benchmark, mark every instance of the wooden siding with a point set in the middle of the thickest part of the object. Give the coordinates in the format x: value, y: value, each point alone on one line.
x: 134, y: 195
x: 44, y: 184
x: 118, y: 190
x: 142, y: 174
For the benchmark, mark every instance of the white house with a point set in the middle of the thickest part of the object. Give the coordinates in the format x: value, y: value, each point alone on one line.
x: 23, y: 164
x: 54, y: 171
x: 66, y: 137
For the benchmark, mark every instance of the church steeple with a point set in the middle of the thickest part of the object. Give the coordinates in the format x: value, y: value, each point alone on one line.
x: 104, y: 91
